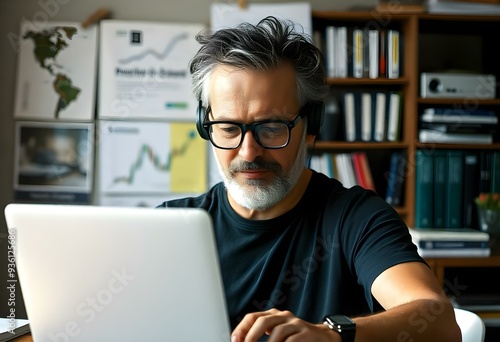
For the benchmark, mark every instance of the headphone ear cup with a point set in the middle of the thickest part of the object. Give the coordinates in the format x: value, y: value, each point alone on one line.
x: 316, y: 112
x: 200, y: 117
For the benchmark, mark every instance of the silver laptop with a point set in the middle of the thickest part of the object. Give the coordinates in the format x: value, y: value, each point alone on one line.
x: 90, y: 273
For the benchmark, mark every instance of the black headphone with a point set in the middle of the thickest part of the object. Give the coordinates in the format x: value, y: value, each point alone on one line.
x: 314, y: 111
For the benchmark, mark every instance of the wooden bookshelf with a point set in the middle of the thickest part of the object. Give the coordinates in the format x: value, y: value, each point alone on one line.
x: 413, y: 28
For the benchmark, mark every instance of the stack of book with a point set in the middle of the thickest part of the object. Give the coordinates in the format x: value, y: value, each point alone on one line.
x: 461, y: 242
x: 457, y: 126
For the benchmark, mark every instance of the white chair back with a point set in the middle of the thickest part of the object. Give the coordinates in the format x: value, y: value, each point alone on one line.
x: 471, y: 325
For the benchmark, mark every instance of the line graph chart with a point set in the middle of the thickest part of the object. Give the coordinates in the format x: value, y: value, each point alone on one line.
x: 151, y: 157
x: 146, y: 153
x: 152, y: 52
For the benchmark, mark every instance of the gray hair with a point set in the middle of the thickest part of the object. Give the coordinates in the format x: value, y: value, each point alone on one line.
x: 265, y: 46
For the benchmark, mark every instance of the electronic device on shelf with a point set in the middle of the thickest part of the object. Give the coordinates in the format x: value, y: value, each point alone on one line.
x: 456, y: 85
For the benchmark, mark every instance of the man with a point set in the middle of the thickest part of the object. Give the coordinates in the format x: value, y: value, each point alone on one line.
x: 294, y: 245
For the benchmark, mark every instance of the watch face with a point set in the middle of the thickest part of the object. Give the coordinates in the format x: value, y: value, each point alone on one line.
x: 340, y: 321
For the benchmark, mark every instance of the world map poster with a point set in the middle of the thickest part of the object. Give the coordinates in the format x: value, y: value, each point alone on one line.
x: 56, y: 71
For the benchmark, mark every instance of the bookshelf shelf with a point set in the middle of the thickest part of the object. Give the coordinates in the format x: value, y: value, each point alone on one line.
x: 362, y: 16
x: 439, y: 265
x: 429, y: 146
x: 401, y: 211
x: 458, y: 17
x: 342, y: 145
x: 489, y: 315
x: 367, y: 81
x: 468, y: 102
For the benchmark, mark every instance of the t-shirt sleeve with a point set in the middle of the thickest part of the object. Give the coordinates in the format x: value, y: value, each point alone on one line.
x: 375, y: 239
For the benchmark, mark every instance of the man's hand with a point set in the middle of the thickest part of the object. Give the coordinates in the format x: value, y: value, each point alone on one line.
x: 281, y: 326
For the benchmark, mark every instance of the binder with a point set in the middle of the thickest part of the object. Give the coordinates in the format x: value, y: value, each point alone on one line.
x: 373, y: 53
x: 366, y: 52
x: 394, y: 116
x: 485, y: 171
x: 440, y: 177
x: 366, y: 117
x: 358, y: 53
x: 382, y: 63
x: 471, y: 189
x: 380, y: 113
x: 342, y: 52
x: 396, y: 179
x: 331, y: 47
x: 349, y: 117
x: 424, y: 172
x: 393, y: 58
x: 495, y: 172
x: 454, y: 200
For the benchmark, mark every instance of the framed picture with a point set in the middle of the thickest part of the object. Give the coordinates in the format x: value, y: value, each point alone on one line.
x: 144, y: 70
x: 54, y: 162
x: 137, y: 158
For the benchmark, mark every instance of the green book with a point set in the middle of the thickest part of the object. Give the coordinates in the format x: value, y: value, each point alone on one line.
x: 440, y: 179
x: 454, y: 193
x: 424, y: 183
x: 495, y: 172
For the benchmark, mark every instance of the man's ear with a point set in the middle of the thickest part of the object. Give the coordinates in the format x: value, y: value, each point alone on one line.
x: 310, y: 138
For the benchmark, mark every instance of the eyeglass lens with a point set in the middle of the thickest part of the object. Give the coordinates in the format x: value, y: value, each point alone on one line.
x: 269, y: 134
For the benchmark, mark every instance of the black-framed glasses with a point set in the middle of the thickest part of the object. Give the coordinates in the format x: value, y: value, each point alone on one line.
x: 271, y: 134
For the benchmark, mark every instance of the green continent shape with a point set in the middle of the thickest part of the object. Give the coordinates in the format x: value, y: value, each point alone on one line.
x: 66, y: 91
x: 49, y: 42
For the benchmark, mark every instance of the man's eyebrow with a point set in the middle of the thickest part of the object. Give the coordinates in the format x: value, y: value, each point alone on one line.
x: 271, y: 115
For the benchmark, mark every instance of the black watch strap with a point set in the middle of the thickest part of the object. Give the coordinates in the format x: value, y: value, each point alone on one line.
x: 342, y: 325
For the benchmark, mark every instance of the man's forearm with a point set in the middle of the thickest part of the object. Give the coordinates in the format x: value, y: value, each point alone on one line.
x: 420, y: 320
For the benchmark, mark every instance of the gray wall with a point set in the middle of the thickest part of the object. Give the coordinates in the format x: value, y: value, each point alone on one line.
x: 11, y: 13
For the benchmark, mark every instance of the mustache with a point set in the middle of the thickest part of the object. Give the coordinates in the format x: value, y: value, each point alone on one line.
x: 254, y: 165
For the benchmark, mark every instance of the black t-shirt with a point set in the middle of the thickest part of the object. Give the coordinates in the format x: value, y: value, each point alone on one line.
x: 319, y: 258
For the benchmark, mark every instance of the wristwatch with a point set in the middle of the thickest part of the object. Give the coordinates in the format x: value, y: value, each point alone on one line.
x: 343, y: 325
